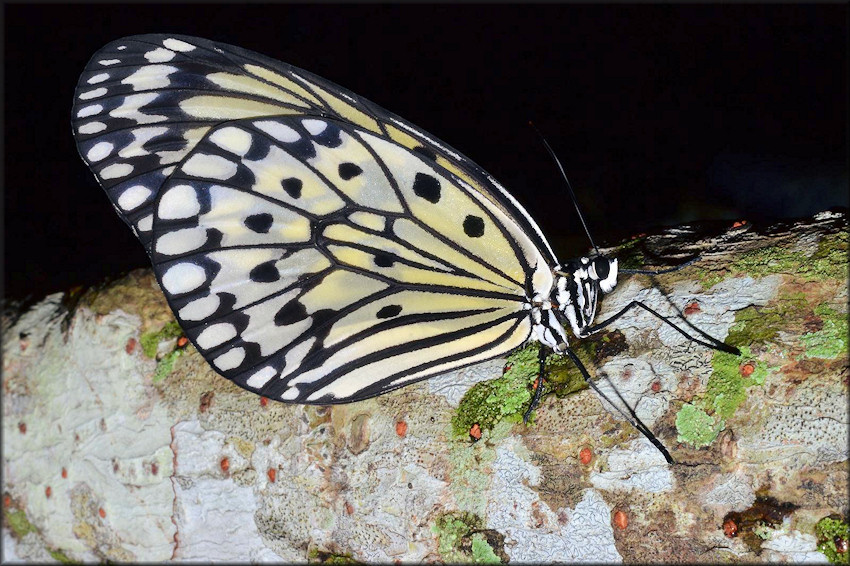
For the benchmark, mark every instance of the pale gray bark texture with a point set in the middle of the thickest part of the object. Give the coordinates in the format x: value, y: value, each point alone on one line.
x: 109, y: 454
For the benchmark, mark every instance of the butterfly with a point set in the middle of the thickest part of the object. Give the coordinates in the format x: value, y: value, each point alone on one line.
x: 315, y: 247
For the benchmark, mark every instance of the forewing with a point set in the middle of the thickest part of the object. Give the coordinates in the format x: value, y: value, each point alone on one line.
x: 311, y: 260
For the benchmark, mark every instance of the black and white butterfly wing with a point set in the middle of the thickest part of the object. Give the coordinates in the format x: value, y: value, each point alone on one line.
x: 313, y: 246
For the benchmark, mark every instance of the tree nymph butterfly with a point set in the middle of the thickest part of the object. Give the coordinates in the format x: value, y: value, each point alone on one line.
x: 315, y: 247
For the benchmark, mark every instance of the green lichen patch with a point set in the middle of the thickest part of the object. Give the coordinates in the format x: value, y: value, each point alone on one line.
x: 695, y: 426
x: 726, y: 388
x: 461, y: 538
x: 563, y: 377
x: 833, y: 537
x: 761, y: 325
x: 831, y: 257
x: 700, y: 421
x: 763, y: 531
x: 829, y: 261
x: 18, y: 522
x: 755, y: 325
x: 166, y: 365
x: 471, y: 468
x: 708, y: 278
x: 831, y: 340
x: 482, y: 551
x: 150, y: 340
x: 60, y: 556
x: 508, y: 397
x: 823, y: 330
x: 504, y: 398
x: 316, y: 556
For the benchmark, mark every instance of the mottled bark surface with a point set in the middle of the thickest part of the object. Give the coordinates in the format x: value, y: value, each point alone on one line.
x: 120, y: 445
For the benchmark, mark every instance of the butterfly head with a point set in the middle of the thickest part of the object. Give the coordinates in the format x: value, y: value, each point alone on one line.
x: 600, y: 270
x: 604, y: 271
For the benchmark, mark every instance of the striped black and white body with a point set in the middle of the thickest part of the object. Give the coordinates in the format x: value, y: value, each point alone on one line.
x: 573, y: 301
x: 315, y: 247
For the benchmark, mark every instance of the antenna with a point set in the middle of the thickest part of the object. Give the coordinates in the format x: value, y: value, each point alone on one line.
x: 569, y: 187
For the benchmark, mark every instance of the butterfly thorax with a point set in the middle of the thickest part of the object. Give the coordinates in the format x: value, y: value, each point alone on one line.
x: 574, y: 299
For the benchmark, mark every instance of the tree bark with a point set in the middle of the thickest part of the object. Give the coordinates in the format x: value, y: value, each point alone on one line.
x: 121, y: 445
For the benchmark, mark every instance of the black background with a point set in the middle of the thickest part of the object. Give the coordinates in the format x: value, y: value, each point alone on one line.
x: 660, y: 114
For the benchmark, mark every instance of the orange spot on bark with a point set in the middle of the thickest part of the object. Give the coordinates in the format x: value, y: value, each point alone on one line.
x: 64, y: 473
x: 182, y: 341
x: 585, y: 456
x: 154, y: 468
x: 401, y: 428
x: 206, y: 401
x: 730, y: 528
x: 739, y: 223
x: 349, y: 508
x: 621, y: 520
x: 48, y: 492
x: 272, y: 473
x: 225, y: 464
x: 475, y: 431
x: 7, y: 501
x: 263, y: 401
x: 22, y: 428
x: 130, y: 347
x: 747, y: 369
x: 692, y: 308
x: 102, y: 513
x: 656, y: 386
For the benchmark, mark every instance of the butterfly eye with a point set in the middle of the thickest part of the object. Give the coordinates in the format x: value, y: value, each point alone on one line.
x: 600, y: 264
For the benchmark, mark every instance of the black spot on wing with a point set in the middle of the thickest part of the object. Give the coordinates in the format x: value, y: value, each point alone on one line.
x: 292, y: 186
x: 427, y: 187
x: 389, y: 311
x: 290, y: 313
x: 473, y: 226
x: 384, y: 260
x: 348, y: 171
x: 259, y: 223
x: 265, y: 272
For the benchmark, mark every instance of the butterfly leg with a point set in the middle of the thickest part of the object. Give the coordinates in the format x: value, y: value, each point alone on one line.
x: 631, y: 417
x: 538, y: 390
x: 713, y: 343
